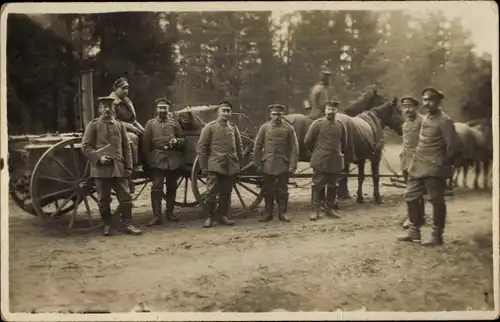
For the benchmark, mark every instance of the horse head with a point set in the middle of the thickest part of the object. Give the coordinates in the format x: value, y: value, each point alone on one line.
x: 390, y: 115
x: 366, y: 102
x: 193, y: 118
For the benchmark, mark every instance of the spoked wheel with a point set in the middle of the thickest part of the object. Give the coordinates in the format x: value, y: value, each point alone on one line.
x: 246, y: 188
x: 185, y: 197
x: 62, y: 192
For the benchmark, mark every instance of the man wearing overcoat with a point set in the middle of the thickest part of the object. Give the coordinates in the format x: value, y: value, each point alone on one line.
x: 326, y: 138
x: 276, y: 155
x: 436, y: 150
x: 319, y: 95
x: 163, y: 145
x: 411, y: 131
x: 105, y: 143
x: 220, y: 153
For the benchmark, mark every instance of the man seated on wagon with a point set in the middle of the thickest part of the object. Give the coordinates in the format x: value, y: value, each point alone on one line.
x: 125, y: 112
x: 163, y: 145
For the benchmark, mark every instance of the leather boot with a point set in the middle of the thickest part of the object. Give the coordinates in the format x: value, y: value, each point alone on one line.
x: 439, y: 220
x: 317, y: 202
x: 156, y: 200
x: 422, y: 211
x: 413, y: 233
x: 106, y: 219
x: 222, y: 211
x: 170, y: 209
x: 126, y: 210
x: 281, y: 209
x: 268, y: 210
x: 210, y: 209
x: 286, y: 204
x: 331, y: 202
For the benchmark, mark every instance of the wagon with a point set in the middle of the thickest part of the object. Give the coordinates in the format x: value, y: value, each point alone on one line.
x: 49, y: 175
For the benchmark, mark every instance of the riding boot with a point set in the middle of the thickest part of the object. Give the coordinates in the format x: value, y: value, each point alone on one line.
x: 268, y: 210
x: 126, y: 210
x: 413, y: 232
x: 106, y: 219
x: 210, y: 208
x: 156, y: 200
x: 421, y: 208
x: 317, y: 197
x: 331, y: 202
x: 281, y: 208
x: 285, y: 209
x: 170, y: 208
x: 439, y: 220
x: 222, y: 212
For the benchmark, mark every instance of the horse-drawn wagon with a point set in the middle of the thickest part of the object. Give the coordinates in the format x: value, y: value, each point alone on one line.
x: 49, y: 175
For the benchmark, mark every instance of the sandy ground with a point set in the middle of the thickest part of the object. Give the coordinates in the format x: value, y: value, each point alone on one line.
x: 347, y: 263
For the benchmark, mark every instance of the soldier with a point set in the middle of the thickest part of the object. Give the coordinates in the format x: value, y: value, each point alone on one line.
x: 220, y: 152
x: 105, y: 143
x: 411, y: 130
x: 327, y: 139
x: 319, y: 95
x: 276, y: 155
x: 436, y: 150
x: 125, y: 112
x: 163, y: 144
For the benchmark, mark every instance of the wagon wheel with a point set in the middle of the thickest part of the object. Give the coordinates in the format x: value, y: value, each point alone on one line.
x: 247, y: 185
x: 185, y: 197
x: 60, y: 185
x: 246, y: 122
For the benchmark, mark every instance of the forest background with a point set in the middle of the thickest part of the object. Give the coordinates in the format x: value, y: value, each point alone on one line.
x: 200, y: 58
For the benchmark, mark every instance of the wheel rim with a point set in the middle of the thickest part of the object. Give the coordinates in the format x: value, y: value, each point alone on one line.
x: 61, y: 185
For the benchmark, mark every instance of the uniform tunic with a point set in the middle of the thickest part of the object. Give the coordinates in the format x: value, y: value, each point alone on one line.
x: 318, y: 98
x: 411, y: 132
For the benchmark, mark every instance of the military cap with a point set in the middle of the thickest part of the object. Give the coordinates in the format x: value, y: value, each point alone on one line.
x: 409, y: 100
x: 276, y: 107
x: 106, y: 99
x: 225, y: 103
x: 432, y: 92
x: 120, y: 82
x: 162, y: 101
x: 332, y: 103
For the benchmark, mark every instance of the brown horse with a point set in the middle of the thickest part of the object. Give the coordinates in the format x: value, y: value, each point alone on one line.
x: 477, y: 150
x: 364, y: 136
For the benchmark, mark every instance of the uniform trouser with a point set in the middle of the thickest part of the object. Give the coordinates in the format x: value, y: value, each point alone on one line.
x: 159, y: 176
x: 324, y: 181
x: 219, y: 185
x: 134, y: 146
x: 121, y: 188
x: 435, y: 188
x: 275, y: 186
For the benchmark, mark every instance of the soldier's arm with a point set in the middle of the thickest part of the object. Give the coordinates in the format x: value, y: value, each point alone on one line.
x: 179, y: 135
x: 258, y: 146
x: 88, y: 143
x: 311, y: 134
x: 343, y: 138
x: 147, y: 144
x: 127, y: 150
x: 138, y: 125
x: 203, y: 146
x: 239, y: 144
x: 294, y: 151
x: 452, y: 140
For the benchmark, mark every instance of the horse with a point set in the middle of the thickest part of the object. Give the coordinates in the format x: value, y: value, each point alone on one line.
x: 364, y: 136
x: 476, y: 150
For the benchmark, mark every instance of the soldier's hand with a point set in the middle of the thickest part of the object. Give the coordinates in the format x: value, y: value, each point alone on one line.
x: 258, y: 168
x: 105, y: 159
x: 292, y: 170
x: 127, y: 173
x: 173, y: 142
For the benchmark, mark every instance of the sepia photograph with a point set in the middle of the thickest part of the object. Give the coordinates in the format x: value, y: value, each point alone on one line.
x: 249, y: 160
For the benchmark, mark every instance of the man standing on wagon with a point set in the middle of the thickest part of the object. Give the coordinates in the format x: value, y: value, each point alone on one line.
x: 319, y: 95
x: 326, y: 138
x: 163, y: 144
x: 106, y: 144
x: 436, y: 150
x: 276, y: 152
x: 220, y: 153
x: 125, y: 112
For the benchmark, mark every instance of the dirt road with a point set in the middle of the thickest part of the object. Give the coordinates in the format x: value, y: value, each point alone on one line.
x: 331, y: 264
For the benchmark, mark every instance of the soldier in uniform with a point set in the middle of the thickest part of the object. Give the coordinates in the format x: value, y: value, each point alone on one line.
x: 327, y: 139
x: 319, y: 95
x: 220, y: 152
x: 436, y: 150
x: 125, y: 112
x: 411, y: 130
x: 163, y: 144
x: 105, y: 143
x: 276, y: 155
